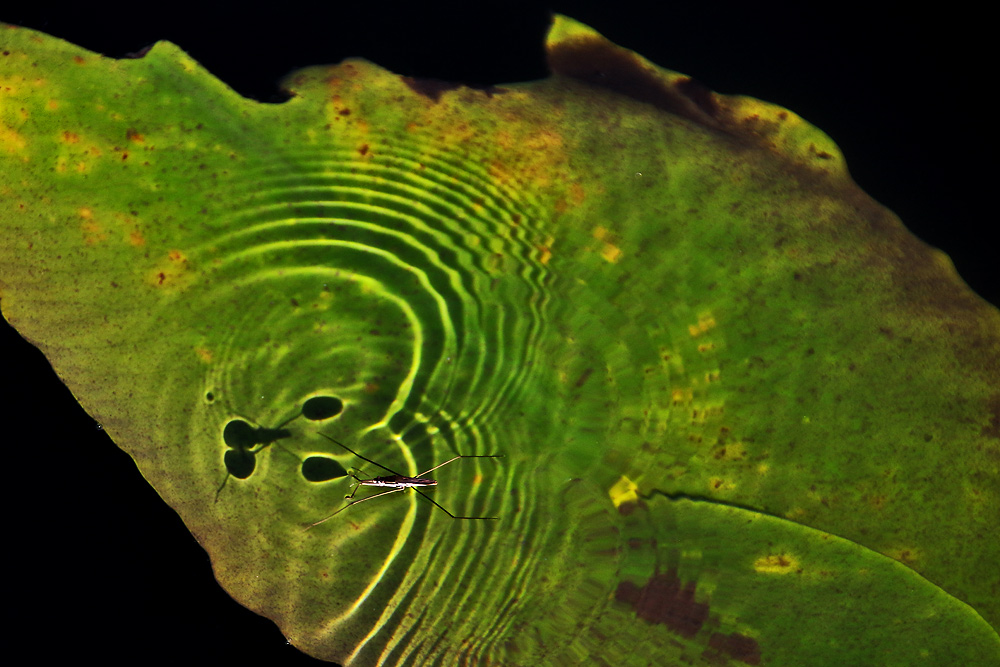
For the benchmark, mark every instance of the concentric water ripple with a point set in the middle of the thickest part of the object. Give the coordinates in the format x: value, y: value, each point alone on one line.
x: 423, y: 283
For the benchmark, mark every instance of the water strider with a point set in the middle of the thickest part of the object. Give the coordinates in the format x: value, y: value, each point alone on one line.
x: 396, y: 482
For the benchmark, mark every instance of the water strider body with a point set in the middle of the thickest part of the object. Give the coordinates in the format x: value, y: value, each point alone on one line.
x: 396, y: 482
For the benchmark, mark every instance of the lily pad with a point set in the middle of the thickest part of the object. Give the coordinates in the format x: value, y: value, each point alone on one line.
x: 679, y: 330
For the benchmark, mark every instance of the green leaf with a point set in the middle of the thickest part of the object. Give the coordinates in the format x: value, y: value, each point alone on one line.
x: 745, y: 415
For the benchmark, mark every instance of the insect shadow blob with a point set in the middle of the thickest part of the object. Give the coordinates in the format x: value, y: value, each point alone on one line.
x: 244, y: 441
x: 396, y: 482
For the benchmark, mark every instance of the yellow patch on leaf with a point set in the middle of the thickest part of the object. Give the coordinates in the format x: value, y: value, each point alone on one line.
x: 907, y: 555
x: 777, y: 564
x: 93, y: 231
x: 623, y: 491
x: 718, y: 484
x: 173, y: 272
x: 733, y: 451
x: 609, y: 251
x: 706, y: 321
x: 11, y: 141
x: 680, y: 396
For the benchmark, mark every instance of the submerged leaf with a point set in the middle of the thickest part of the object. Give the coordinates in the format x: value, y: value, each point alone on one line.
x: 746, y: 416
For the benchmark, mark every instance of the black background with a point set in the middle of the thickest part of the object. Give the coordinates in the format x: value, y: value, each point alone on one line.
x: 100, y: 567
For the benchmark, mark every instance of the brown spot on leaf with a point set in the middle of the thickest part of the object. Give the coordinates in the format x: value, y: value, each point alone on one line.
x: 822, y: 155
x: 665, y: 599
x: 736, y: 646
x: 433, y: 89
x: 593, y: 59
x: 140, y: 53
x: 993, y: 405
x: 629, y: 506
x: 601, y: 63
x: 642, y: 543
